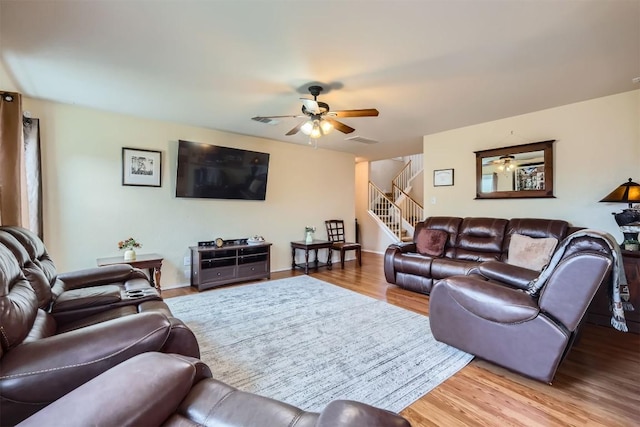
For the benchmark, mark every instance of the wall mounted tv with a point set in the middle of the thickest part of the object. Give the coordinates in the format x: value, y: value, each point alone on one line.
x: 213, y: 172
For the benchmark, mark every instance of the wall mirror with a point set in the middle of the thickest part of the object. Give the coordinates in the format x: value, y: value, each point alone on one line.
x: 519, y: 171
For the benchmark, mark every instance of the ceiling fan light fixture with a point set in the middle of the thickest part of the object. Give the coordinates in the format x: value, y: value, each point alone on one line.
x: 326, y: 127
x: 316, y: 130
x: 307, y: 127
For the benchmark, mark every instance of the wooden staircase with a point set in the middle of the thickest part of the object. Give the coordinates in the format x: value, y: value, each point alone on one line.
x: 397, y: 212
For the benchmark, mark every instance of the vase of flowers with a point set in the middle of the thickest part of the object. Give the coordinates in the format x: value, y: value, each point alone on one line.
x: 129, y: 245
x: 308, y: 234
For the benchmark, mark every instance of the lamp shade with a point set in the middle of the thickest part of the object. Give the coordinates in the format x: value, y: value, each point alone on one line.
x: 628, y: 192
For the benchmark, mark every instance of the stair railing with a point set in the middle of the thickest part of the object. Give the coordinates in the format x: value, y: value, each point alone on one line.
x: 412, y: 168
x: 383, y: 208
x: 412, y: 211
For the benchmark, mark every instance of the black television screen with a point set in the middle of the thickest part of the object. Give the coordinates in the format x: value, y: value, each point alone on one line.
x: 213, y: 172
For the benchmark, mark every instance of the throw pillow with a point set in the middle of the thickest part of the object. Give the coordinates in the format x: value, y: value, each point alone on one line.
x: 431, y: 242
x: 531, y: 253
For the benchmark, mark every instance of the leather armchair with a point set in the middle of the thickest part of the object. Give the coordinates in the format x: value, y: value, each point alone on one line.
x: 179, y: 391
x: 43, y: 358
x: 489, y: 314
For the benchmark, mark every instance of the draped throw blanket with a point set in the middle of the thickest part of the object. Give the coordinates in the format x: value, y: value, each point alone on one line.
x: 619, y: 292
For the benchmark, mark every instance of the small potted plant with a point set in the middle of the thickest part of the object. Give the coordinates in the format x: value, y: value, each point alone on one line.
x: 129, y: 245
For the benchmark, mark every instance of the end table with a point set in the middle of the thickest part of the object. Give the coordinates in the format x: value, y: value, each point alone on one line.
x: 151, y: 261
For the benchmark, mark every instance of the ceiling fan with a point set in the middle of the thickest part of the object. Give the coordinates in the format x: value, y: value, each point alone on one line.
x: 320, y: 119
x: 506, y: 163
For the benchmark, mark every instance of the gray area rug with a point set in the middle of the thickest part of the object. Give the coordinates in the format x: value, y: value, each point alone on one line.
x: 307, y: 342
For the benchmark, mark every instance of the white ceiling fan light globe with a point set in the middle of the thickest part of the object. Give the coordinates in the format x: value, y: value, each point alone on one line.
x: 307, y: 127
x: 326, y: 127
x: 316, y: 132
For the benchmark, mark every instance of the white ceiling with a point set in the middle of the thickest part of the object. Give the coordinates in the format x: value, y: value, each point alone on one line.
x: 427, y: 66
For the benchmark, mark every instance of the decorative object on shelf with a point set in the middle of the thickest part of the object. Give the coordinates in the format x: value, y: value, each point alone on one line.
x: 129, y: 245
x: 631, y: 245
x: 141, y: 167
x: 309, y: 230
x: 442, y: 177
x: 255, y: 240
x: 629, y: 219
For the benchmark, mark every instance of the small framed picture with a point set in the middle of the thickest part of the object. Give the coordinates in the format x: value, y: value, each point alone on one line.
x: 141, y: 167
x: 442, y: 177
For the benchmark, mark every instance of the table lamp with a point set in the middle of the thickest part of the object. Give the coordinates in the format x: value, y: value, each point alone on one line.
x: 628, y: 219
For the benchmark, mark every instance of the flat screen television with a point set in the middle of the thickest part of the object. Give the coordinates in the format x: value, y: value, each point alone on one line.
x: 214, y: 172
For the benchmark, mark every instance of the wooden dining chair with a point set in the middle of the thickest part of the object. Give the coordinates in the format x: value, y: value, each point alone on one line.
x: 335, y: 234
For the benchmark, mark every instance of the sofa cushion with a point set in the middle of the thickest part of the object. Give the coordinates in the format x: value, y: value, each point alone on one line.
x: 527, y: 252
x: 536, y: 228
x: 431, y: 242
x: 480, y: 239
x: 450, y: 224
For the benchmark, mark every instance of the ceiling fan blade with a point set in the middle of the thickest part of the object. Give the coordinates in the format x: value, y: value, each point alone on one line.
x: 295, y: 129
x: 261, y: 118
x: 310, y: 105
x: 367, y: 112
x: 339, y: 126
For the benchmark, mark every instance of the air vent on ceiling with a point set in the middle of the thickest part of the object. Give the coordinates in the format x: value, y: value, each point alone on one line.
x: 362, y: 139
x: 266, y: 120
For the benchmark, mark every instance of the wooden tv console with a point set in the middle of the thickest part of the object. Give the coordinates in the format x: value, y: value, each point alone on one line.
x: 212, y: 266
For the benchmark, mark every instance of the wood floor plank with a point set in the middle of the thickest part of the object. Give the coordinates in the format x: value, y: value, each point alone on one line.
x: 597, y: 385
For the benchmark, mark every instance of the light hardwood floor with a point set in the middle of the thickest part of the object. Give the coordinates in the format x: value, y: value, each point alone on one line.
x: 598, y: 384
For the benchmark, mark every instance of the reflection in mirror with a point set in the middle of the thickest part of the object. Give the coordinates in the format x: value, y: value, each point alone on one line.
x: 518, y: 171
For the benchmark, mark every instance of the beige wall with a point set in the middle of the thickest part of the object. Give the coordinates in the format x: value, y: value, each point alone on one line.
x: 372, y: 236
x: 87, y: 210
x: 597, y: 148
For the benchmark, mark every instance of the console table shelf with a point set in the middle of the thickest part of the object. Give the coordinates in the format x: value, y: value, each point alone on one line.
x: 212, y: 266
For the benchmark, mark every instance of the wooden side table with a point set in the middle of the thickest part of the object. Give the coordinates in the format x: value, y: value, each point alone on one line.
x: 151, y: 261
x: 306, y: 247
x: 599, y: 310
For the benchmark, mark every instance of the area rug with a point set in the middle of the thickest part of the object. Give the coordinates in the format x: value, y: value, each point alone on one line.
x: 307, y: 342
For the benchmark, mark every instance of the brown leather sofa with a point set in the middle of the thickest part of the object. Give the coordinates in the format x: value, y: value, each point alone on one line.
x: 466, y: 243
x: 59, y: 331
x: 169, y: 390
x: 498, y: 316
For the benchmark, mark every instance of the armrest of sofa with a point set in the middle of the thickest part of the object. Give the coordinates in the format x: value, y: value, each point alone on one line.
x: 403, y: 247
x: 144, y: 390
x: 512, y: 275
x: 390, y: 254
x: 487, y: 300
x: 40, y: 371
x: 99, y: 276
x: 347, y: 413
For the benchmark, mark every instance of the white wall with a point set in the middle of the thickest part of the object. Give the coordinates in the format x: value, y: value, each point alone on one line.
x: 597, y: 148
x: 87, y: 210
x: 382, y: 172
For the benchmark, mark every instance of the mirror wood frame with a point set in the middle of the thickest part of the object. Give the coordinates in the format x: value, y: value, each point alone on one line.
x: 545, y: 146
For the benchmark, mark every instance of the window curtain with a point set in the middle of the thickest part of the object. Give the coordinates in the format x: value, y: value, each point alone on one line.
x: 20, y: 166
x: 33, y: 171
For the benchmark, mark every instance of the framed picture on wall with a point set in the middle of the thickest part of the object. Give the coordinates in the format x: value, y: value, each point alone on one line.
x: 141, y: 167
x: 442, y: 177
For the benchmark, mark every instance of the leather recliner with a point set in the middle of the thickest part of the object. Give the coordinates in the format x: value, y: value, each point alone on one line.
x: 495, y: 316
x: 170, y: 390
x: 72, y: 295
x: 44, y: 354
